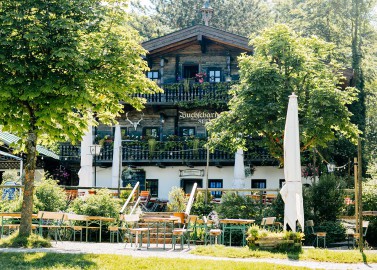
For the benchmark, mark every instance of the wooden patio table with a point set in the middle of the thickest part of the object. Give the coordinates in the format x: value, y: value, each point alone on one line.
x: 160, y: 220
x: 97, y: 220
x: 230, y: 224
x: 7, y: 217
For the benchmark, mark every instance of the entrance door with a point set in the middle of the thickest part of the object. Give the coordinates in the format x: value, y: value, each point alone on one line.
x: 189, y: 71
x: 187, y: 184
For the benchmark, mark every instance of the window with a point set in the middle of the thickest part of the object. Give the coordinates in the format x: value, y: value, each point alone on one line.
x: 215, y: 183
x: 281, y: 183
x: 154, y: 75
x: 214, y: 75
x: 258, y: 183
x: 189, y: 71
x: 187, y: 131
x: 123, y: 132
x: 151, y: 132
x: 152, y: 187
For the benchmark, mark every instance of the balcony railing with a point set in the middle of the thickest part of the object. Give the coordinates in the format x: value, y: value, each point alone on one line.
x: 189, y: 92
x: 165, y: 152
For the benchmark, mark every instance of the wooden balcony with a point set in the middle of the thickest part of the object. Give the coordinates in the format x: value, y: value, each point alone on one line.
x: 179, y: 92
x: 177, y: 153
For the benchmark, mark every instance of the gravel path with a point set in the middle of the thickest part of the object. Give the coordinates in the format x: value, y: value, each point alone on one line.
x: 120, y: 249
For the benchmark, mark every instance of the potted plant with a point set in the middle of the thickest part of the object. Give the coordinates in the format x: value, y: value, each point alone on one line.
x: 177, y: 202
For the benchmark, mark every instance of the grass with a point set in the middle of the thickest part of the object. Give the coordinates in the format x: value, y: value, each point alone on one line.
x: 40, y: 261
x: 33, y: 241
x: 320, y: 255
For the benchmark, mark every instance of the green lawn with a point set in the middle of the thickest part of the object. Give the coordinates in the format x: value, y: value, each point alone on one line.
x: 320, y: 255
x: 19, y: 261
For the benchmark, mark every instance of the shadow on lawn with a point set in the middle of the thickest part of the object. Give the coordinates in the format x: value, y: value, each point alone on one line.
x: 18, y: 260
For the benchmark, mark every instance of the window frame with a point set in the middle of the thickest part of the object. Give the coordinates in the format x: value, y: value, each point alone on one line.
x: 186, y: 127
x: 216, y: 194
x: 258, y: 181
x: 144, y: 132
x: 153, y: 72
x: 149, y: 188
x: 214, y: 69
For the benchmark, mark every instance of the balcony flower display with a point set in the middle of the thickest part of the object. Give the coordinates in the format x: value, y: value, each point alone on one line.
x: 200, y: 76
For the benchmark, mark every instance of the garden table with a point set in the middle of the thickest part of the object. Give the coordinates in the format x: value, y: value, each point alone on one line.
x: 11, y: 219
x: 157, y: 221
x: 96, y: 220
x: 229, y: 225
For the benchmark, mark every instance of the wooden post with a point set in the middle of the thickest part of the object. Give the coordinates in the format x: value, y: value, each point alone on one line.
x: 206, y: 179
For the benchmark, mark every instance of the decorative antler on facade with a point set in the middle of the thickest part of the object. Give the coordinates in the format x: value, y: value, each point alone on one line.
x: 134, y: 124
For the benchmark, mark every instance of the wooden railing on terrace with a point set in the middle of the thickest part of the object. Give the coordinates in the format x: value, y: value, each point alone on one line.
x: 164, y: 152
x: 179, y: 92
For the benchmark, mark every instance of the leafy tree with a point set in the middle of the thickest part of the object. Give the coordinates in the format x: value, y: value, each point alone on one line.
x: 239, y: 17
x: 284, y: 63
x: 60, y: 63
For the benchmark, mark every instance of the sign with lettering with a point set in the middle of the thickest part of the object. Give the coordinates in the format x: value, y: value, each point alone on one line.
x: 191, y: 172
x: 200, y: 116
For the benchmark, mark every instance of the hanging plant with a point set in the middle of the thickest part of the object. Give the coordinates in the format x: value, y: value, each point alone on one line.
x: 195, y: 147
x: 152, y: 146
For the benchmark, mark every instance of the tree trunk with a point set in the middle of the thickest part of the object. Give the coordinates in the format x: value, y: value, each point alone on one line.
x: 27, y: 203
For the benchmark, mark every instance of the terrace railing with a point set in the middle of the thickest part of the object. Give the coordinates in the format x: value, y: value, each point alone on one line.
x: 180, y: 152
x: 189, y: 92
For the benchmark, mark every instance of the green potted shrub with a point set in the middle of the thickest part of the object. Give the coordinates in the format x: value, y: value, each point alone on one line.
x: 177, y: 202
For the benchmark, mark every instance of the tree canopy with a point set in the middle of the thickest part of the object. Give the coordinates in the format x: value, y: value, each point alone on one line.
x: 62, y: 63
x: 238, y: 17
x: 284, y: 63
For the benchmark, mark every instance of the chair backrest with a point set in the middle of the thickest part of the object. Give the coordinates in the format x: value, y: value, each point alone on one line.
x: 131, y: 218
x: 268, y: 221
x: 144, y: 196
x: 309, y: 224
x: 365, y: 227
x: 75, y: 217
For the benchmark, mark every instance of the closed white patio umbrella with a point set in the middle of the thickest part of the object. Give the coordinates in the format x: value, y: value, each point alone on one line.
x: 292, y: 190
x: 115, y: 172
x: 86, y: 170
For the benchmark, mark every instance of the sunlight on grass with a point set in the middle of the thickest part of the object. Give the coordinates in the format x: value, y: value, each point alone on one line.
x: 33, y: 241
x: 41, y: 261
x: 321, y: 255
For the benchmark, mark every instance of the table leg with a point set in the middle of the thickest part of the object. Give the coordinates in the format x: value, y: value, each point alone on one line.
x: 86, y: 234
x: 100, y: 230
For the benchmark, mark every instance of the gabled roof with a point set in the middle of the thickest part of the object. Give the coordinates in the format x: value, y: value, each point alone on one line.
x: 9, y: 138
x: 197, y: 33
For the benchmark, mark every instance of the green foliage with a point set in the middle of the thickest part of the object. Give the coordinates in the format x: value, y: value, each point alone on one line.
x: 255, y: 234
x: 334, y: 229
x: 10, y: 175
x: 102, y: 203
x: 177, y: 200
x: 370, y: 204
x: 326, y: 198
x: 237, y: 17
x: 200, y: 207
x: 234, y: 205
x: 16, y: 241
x: 50, y: 196
x: 267, y: 78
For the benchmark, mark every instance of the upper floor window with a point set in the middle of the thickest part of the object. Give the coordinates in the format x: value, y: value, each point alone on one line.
x: 154, y: 75
x: 258, y: 183
x: 214, y: 75
x: 151, y: 132
x: 187, y: 131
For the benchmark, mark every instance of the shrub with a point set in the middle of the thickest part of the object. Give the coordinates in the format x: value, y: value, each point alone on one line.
x: 102, y: 203
x: 50, y: 196
x: 177, y: 200
x: 280, y: 239
x: 200, y: 207
x: 370, y: 204
x: 334, y: 229
x: 326, y: 198
x: 234, y: 205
